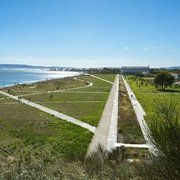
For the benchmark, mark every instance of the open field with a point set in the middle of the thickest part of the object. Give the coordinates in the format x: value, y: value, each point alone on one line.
x: 23, y: 127
x: 147, y: 94
x: 85, y: 104
x: 63, y: 96
x: 109, y: 77
x: 44, y: 86
x: 98, y: 85
x: 26, y: 128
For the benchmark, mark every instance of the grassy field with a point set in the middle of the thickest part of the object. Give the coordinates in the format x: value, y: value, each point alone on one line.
x: 98, y: 85
x: 26, y: 128
x: 109, y: 77
x: 44, y: 86
x: 85, y: 104
x: 147, y: 94
x: 64, y: 96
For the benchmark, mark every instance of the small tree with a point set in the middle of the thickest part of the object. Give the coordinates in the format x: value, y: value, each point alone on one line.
x: 163, y: 79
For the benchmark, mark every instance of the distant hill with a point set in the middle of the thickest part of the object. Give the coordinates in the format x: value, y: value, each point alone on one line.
x: 174, y: 67
x: 20, y: 66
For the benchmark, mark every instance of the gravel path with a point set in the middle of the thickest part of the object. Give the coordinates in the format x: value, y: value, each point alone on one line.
x: 52, y: 112
x: 106, y: 132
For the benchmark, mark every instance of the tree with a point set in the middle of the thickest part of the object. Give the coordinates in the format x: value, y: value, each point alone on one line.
x: 164, y: 79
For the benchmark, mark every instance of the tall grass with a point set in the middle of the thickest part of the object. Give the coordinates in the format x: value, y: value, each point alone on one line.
x: 165, y: 136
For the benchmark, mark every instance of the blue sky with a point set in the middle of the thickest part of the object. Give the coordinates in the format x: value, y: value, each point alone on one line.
x: 90, y: 33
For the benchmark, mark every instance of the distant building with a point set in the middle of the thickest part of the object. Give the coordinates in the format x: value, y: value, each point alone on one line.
x: 135, y: 70
x: 176, y: 76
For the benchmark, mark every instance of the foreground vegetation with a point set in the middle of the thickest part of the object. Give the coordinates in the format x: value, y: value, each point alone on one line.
x: 23, y: 127
x: 103, y: 165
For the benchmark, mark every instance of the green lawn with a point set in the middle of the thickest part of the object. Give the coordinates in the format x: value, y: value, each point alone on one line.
x: 88, y: 112
x: 26, y: 128
x: 82, y: 106
x: 98, y: 85
x: 23, y: 127
x: 147, y: 94
x: 109, y: 77
x: 63, y: 96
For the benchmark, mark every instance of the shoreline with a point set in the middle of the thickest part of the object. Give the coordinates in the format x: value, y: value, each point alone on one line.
x: 37, y: 81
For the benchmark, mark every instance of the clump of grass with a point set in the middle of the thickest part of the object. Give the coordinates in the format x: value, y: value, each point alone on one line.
x: 165, y: 136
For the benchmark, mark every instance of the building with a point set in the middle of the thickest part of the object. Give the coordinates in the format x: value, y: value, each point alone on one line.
x: 176, y: 76
x: 135, y: 70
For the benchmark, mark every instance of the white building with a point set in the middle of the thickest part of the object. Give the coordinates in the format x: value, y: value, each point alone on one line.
x: 176, y: 76
x: 135, y: 70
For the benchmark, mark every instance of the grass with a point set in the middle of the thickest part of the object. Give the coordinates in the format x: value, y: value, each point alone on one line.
x: 147, y: 93
x: 63, y: 96
x: 109, y: 77
x: 78, y: 103
x: 44, y: 86
x: 87, y: 112
x: 23, y: 127
x: 128, y: 126
x: 98, y: 85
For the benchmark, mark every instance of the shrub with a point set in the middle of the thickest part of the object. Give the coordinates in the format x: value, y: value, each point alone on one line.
x: 165, y: 136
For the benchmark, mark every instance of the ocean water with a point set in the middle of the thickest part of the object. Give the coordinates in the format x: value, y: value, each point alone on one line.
x: 13, y: 76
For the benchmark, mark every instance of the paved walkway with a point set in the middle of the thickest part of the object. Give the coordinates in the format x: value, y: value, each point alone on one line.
x: 52, y: 112
x: 132, y: 145
x: 106, y: 132
x: 140, y: 113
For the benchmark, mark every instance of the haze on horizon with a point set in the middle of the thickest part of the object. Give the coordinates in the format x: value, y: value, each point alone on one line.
x: 95, y: 33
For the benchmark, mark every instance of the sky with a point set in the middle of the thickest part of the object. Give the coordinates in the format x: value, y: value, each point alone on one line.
x: 90, y: 33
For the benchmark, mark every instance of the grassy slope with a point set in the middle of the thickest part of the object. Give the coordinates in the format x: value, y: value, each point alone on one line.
x: 89, y: 112
x: 23, y: 127
x: 44, y: 86
x: 109, y: 77
x: 147, y: 94
x: 61, y: 97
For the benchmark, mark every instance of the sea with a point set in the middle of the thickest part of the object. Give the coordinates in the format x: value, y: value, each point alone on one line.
x: 14, y: 76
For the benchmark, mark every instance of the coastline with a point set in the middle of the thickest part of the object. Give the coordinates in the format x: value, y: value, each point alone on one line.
x: 50, y: 76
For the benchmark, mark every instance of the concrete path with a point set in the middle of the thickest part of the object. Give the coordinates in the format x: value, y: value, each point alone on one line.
x: 52, y: 112
x: 140, y: 113
x: 106, y: 132
x: 59, y: 102
x: 144, y: 146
